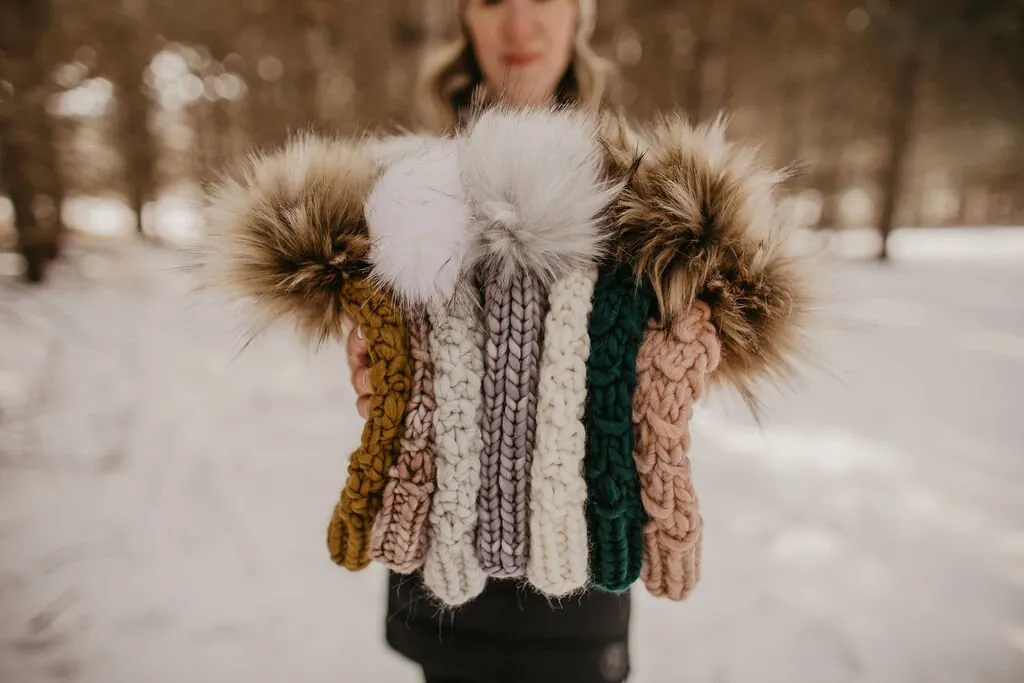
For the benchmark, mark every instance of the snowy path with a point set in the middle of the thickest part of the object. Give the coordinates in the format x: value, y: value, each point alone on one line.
x: 162, y: 505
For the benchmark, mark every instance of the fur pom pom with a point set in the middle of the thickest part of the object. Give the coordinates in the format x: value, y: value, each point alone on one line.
x: 698, y: 219
x: 622, y: 147
x: 535, y: 182
x: 419, y: 224
x: 288, y: 231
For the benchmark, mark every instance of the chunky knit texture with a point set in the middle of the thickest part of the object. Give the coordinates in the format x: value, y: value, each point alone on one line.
x: 399, y: 539
x: 615, y: 514
x: 672, y: 367
x: 320, y: 232
x: 557, y: 563
x: 451, y: 569
x: 348, y: 535
x: 514, y: 317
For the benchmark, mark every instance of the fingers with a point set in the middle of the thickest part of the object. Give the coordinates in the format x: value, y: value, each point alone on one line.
x: 358, y: 354
x: 361, y: 381
x: 359, y: 363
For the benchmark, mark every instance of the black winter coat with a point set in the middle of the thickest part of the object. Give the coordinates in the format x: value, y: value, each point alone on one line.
x: 511, y: 634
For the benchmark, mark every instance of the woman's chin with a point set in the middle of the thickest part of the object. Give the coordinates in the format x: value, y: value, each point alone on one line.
x: 527, y: 95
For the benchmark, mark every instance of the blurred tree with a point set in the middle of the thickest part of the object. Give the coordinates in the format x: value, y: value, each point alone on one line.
x: 369, y: 42
x: 656, y: 50
x: 410, y: 25
x: 844, y: 88
x: 905, y: 99
x: 128, y: 26
x: 950, y: 47
x: 30, y: 171
x: 708, y: 81
x: 908, y: 55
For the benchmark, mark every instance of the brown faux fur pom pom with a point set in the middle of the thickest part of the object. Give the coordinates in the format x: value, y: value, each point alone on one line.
x: 698, y: 220
x: 289, y: 231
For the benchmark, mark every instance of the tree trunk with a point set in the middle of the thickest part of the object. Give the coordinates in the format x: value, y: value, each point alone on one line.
x: 208, y: 154
x: 898, y: 135
x: 725, y: 59
x: 410, y: 30
x: 305, y: 43
x: 138, y: 148
x: 128, y: 27
x: 828, y: 185
x: 370, y: 55
x: 791, y: 96
x: 834, y: 131
x: 706, y: 22
x: 695, y: 82
x: 28, y: 158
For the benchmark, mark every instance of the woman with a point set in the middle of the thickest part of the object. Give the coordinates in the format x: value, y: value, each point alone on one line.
x: 524, y: 52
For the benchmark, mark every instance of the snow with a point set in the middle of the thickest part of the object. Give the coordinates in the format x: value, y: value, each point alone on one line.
x: 173, y: 218
x: 163, y: 503
x: 993, y: 243
x: 163, y: 497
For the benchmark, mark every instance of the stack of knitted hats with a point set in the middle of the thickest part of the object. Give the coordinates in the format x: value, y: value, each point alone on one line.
x: 545, y: 295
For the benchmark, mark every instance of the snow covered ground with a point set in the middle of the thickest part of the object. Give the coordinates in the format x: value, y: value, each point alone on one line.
x: 163, y: 501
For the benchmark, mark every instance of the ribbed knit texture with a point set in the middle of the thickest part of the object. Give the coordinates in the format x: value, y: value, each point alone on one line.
x: 348, y: 534
x: 672, y: 367
x: 451, y: 569
x: 514, y: 319
x: 399, y: 538
x: 557, y: 563
x: 615, y: 514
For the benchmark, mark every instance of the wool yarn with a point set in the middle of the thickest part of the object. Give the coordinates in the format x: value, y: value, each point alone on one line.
x: 399, y: 538
x: 506, y: 439
x: 348, y: 535
x: 672, y: 366
x: 451, y: 569
x: 615, y: 514
x: 514, y: 318
x: 557, y: 561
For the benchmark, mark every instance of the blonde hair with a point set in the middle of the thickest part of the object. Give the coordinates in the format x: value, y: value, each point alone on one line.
x: 452, y: 79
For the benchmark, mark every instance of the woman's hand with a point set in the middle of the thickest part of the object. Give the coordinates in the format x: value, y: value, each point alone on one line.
x: 359, y: 362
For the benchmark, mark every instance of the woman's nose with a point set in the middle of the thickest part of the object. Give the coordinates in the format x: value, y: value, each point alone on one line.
x: 519, y: 21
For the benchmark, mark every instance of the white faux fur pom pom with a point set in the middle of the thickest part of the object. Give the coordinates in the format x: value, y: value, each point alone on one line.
x: 535, y: 180
x: 418, y: 222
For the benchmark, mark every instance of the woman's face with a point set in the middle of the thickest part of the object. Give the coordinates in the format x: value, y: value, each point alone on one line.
x: 523, y: 46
